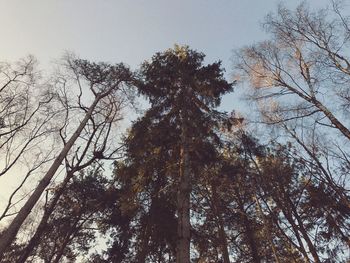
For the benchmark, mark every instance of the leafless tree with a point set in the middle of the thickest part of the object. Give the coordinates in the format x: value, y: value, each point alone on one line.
x: 24, y: 112
x: 86, y: 137
x: 95, y: 144
x: 26, y: 121
x: 300, y: 81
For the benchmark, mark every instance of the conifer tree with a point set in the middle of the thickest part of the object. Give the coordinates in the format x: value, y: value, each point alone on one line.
x: 183, y: 93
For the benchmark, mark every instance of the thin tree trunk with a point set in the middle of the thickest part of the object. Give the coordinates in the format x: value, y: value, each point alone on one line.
x: 288, y: 216
x: 249, y: 232
x: 309, y: 243
x: 68, y: 238
x: 345, y: 131
x: 183, y: 202
x: 222, y: 234
x: 142, y: 254
x: 295, y: 228
x: 303, y: 231
x: 251, y: 239
x: 10, y: 233
x: 266, y: 229
x: 261, y: 213
x: 35, y: 240
x: 223, y: 243
x: 49, y: 260
x: 333, y: 185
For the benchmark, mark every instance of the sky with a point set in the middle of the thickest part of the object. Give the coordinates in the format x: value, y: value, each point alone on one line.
x: 131, y: 31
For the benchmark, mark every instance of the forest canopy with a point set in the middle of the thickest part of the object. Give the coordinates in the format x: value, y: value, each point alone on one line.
x: 186, y: 181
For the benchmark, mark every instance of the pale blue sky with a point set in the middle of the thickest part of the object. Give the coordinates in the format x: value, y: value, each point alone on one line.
x: 130, y: 30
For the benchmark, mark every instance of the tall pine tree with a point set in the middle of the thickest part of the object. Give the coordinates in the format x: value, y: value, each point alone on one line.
x: 183, y: 93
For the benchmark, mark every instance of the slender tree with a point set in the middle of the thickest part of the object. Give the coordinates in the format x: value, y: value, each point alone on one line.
x: 299, y: 79
x: 104, y: 82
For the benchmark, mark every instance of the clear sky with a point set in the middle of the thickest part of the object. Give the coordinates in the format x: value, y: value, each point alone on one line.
x: 130, y: 30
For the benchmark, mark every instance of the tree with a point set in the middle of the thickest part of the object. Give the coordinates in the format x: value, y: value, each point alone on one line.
x: 280, y: 185
x: 165, y: 152
x: 300, y: 82
x: 71, y: 227
x: 26, y: 119
x: 183, y: 94
x: 305, y: 59
x: 105, y: 82
x: 24, y: 111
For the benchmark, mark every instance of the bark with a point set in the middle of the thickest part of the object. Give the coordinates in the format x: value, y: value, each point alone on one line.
x: 142, y: 253
x: 249, y: 231
x: 35, y: 240
x: 288, y: 216
x: 49, y: 260
x: 251, y: 239
x: 183, y: 202
x: 74, y: 229
x: 222, y: 233
x: 267, y: 230
x: 345, y: 131
x: 11, y: 232
x: 303, y: 231
x: 286, y: 212
x: 223, y: 243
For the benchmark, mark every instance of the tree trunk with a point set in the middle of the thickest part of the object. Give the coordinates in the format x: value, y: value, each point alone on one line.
x: 223, y: 243
x: 66, y: 241
x: 303, y: 231
x: 266, y: 228
x: 183, y: 202
x: 222, y: 234
x: 251, y: 239
x: 288, y: 215
x: 249, y: 231
x: 10, y: 233
x: 345, y: 131
x: 340, y: 192
x: 142, y: 253
x: 35, y: 240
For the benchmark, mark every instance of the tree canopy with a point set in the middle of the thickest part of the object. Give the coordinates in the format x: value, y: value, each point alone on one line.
x: 185, y: 182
